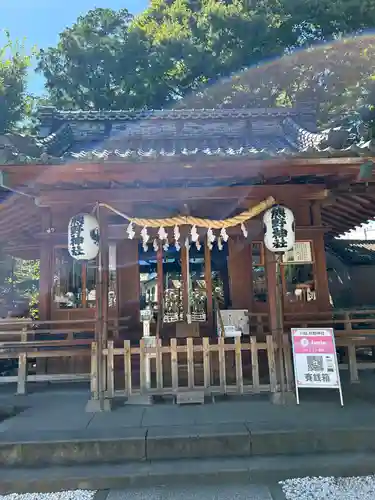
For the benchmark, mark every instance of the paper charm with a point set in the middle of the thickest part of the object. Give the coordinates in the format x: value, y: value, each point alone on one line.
x: 224, y: 234
x: 176, y: 233
x: 194, y: 234
x: 155, y: 245
x: 163, y: 235
x: 130, y: 231
x: 244, y: 230
x: 145, y: 236
x: 210, y: 236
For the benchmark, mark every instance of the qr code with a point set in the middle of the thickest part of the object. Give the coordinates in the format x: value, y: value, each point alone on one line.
x: 315, y: 363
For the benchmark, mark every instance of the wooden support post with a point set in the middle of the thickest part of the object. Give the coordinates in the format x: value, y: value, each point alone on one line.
x: 185, y: 279
x: 46, y: 261
x: 240, y: 268
x: 101, y: 325
x: 45, y: 281
x: 276, y: 320
x: 320, y: 263
x: 208, y: 281
x: 104, y: 265
x: 160, y: 282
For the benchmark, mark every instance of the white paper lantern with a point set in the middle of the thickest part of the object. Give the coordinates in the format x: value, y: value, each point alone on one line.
x: 83, y: 237
x: 279, y: 229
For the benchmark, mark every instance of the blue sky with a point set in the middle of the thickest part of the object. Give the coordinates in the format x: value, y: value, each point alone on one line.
x: 41, y: 21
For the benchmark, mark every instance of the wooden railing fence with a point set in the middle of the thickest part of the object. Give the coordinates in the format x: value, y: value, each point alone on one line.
x: 59, y: 343
x: 215, y: 366
x: 191, y: 366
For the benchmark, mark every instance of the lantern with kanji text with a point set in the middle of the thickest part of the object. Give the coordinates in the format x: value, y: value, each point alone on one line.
x: 83, y: 237
x: 279, y: 229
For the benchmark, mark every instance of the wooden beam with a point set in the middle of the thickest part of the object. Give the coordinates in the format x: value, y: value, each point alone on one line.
x: 316, y: 213
x: 33, y: 175
x: 339, y: 214
x: 339, y: 227
x: 348, y: 208
x: 343, y: 220
x: 365, y: 211
x: 118, y: 196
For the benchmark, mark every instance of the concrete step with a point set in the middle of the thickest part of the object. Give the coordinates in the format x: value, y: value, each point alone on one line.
x: 170, y: 443
x: 256, y: 470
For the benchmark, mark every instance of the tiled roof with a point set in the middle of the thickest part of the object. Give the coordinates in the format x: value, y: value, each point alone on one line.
x: 353, y: 251
x: 140, y: 135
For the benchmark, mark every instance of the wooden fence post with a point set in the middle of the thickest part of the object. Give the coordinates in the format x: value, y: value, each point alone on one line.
x: 110, y: 370
x: 254, y: 364
x: 190, y: 362
x: 288, y: 363
x: 94, y: 382
x: 174, y: 365
x: 222, y: 370
x: 206, y: 363
x: 352, y: 359
x: 22, y: 374
x: 271, y: 363
x: 159, y: 365
x: 127, y: 368
x: 22, y: 365
x: 239, y: 372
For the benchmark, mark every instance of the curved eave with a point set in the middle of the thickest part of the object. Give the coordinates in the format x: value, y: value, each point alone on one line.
x: 132, y: 156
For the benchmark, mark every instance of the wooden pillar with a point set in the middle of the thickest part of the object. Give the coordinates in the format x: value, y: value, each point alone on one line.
x: 276, y: 316
x: 104, y: 264
x: 129, y: 285
x: 208, y: 281
x: 46, y: 268
x: 45, y: 285
x: 185, y: 278
x: 271, y: 289
x: 101, y: 325
x: 321, y: 274
x: 160, y: 283
x: 240, y: 268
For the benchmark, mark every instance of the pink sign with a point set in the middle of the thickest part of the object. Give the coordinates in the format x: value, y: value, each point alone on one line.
x: 313, y: 345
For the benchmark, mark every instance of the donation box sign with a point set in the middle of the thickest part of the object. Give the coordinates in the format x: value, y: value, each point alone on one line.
x: 315, y: 359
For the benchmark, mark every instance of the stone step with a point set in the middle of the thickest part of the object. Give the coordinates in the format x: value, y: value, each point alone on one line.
x: 256, y: 470
x: 97, y: 446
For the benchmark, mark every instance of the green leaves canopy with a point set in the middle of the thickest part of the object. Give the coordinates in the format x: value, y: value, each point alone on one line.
x: 180, y: 53
x: 14, y: 102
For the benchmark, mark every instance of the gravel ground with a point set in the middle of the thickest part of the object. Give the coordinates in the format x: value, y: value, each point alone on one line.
x: 61, y: 495
x: 329, y: 488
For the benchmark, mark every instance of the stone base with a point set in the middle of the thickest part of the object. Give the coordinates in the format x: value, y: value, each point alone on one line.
x: 190, y: 398
x: 139, y: 400
x: 288, y: 398
x: 94, y: 406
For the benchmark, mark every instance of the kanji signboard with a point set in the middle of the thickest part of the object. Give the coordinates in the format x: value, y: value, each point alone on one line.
x: 315, y: 359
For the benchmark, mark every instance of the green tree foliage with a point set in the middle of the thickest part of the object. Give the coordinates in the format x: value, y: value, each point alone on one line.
x: 15, y: 104
x: 19, y: 285
x: 209, y: 53
x: 102, y: 63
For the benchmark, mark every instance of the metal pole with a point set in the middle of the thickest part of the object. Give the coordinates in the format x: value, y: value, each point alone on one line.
x: 280, y: 327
